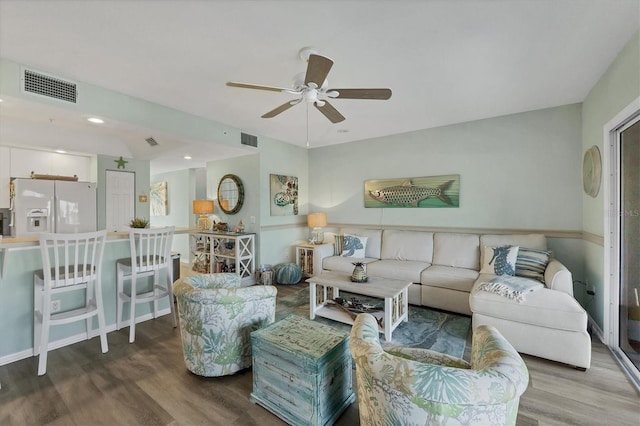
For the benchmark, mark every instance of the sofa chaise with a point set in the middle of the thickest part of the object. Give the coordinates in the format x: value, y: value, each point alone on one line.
x: 448, y: 271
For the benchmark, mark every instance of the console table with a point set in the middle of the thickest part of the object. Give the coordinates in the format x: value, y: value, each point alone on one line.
x: 224, y: 252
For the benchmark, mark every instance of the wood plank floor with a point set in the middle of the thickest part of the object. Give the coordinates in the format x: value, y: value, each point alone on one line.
x: 146, y: 383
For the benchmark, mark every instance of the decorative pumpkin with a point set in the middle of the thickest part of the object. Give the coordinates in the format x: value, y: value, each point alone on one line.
x: 287, y: 273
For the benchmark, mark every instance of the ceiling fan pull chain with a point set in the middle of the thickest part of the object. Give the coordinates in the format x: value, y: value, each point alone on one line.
x: 307, y: 124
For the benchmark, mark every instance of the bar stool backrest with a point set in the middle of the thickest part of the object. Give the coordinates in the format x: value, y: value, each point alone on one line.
x: 150, y: 248
x: 72, y: 259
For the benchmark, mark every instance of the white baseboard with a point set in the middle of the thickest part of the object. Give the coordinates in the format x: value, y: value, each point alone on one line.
x: 597, y: 331
x: 27, y: 353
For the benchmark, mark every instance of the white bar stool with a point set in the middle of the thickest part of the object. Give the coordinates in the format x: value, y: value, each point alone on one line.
x: 150, y: 255
x: 70, y: 262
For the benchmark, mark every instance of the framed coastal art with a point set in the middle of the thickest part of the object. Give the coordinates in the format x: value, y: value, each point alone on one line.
x: 284, y: 195
x: 415, y: 192
x: 159, y: 200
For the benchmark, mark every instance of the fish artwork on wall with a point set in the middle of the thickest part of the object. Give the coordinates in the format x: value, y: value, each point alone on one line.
x: 432, y: 191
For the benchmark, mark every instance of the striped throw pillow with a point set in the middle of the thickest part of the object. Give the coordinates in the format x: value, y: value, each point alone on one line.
x: 339, y: 245
x: 532, y: 263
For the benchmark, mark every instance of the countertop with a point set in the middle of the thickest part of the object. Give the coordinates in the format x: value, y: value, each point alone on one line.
x: 16, y: 242
x: 10, y: 244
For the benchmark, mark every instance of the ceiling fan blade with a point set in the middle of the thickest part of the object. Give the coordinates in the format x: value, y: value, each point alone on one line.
x: 382, y: 94
x: 330, y: 112
x: 317, y: 69
x: 281, y: 108
x: 259, y: 87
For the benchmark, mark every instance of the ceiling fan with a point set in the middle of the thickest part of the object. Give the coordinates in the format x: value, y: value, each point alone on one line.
x: 312, y: 87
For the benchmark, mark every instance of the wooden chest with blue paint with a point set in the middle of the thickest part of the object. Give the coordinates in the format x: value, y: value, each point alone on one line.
x: 302, y: 371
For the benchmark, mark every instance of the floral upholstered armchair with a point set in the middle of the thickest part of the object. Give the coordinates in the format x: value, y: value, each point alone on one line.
x: 408, y: 386
x: 217, y: 316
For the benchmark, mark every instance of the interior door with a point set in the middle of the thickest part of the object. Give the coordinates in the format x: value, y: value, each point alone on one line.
x: 120, y: 197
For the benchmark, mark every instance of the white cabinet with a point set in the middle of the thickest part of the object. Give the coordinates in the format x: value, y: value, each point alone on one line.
x: 5, y: 176
x: 224, y: 252
x: 25, y: 161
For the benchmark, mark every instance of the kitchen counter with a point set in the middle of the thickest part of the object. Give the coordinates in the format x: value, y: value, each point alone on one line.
x: 8, y: 244
x: 20, y: 257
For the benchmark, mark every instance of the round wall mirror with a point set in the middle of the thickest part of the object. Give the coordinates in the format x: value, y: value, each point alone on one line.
x: 230, y: 194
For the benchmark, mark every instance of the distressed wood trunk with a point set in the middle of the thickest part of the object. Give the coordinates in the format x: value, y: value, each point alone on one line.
x: 302, y: 371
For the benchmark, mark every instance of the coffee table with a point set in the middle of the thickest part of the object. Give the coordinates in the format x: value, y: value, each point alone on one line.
x: 327, y: 286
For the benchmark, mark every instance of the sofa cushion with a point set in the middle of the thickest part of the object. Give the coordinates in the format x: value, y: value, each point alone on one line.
x: 534, y: 241
x: 499, y: 260
x: 544, y: 307
x: 460, y: 279
x: 532, y: 263
x: 407, y: 245
x: 397, y: 269
x: 374, y: 239
x: 343, y: 264
x: 457, y: 250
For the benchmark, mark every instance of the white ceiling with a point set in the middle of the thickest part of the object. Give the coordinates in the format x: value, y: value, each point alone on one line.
x: 447, y: 61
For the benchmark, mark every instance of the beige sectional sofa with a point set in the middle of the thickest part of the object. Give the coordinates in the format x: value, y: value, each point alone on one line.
x: 444, y: 269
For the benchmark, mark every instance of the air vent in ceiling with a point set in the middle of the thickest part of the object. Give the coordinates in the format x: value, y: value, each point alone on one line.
x: 246, y: 139
x: 151, y: 141
x: 51, y: 87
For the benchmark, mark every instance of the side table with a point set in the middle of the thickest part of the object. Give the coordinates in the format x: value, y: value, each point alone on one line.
x: 302, y: 371
x: 307, y: 260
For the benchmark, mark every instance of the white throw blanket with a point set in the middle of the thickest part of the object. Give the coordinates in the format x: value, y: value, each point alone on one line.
x: 511, y: 287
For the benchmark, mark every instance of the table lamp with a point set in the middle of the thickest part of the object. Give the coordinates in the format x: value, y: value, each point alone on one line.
x: 203, y: 208
x: 317, y: 221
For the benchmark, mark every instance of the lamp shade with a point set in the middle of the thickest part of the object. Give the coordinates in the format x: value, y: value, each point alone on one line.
x: 317, y: 220
x: 202, y: 206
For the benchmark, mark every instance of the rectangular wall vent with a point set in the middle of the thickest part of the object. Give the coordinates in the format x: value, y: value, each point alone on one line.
x: 151, y: 141
x: 45, y: 85
x: 246, y: 139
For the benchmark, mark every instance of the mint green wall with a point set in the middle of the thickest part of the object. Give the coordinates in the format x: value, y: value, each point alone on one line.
x: 617, y: 87
x: 517, y: 171
x: 278, y: 233
x: 181, y: 191
x: 275, y: 234
x: 246, y: 168
x: 127, y: 109
x: 140, y: 168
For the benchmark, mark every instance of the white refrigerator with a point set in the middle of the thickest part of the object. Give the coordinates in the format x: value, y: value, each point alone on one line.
x: 52, y: 206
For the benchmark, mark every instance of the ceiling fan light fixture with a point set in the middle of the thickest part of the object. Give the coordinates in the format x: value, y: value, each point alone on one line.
x: 310, y: 95
x: 312, y: 87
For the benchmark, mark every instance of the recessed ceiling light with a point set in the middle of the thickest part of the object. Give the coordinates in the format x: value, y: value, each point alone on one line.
x: 187, y: 157
x: 95, y: 120
x: 61, y: 151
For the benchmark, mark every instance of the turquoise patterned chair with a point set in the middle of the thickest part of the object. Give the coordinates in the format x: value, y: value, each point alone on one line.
x: 408, y: 386
x: 217, y: 316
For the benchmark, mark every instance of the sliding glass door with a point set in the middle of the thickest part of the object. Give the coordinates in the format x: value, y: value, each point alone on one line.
x: 629, y: 243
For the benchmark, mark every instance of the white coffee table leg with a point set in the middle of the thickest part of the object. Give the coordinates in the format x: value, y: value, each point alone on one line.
x: 312, y: 300
x: 405, y: 304
x: 388, y: 321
